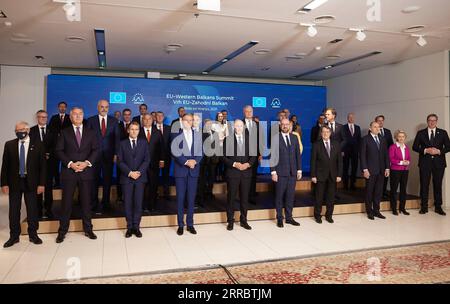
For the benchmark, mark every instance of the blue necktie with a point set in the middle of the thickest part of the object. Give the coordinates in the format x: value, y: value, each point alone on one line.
x: 22, y: 159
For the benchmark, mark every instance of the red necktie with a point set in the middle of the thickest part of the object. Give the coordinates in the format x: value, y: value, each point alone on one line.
x: 148, y: 135
x: 103, y: 127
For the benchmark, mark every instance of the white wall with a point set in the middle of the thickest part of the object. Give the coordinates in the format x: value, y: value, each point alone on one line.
x: 404, y: 92
x: 22, y: 93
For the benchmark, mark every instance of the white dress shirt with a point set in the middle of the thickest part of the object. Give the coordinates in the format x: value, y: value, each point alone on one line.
x: 188, y: 137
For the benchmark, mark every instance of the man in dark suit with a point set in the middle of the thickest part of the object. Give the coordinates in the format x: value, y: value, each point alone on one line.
x: 238, y: 172
x: 41, y: 133
x: 165, y: 171
x: 351, y: 134
x: 57, y: 123
x: 336, y: 128
x: 387, y: 135
x: 142, y: 110
x: 286, y: 169
x: 212, y: 151
x: 315, y: 131
x: 154, y: 140
x: 133, y: 159
x: 256, y: 143
x: 186, y: 149
x: 78, y: 148
x: 432, y: 144
x: 177, y: 124
x: 326, y: 172
x: 123, y: 134
x: 375, y: 165
x: 23, y: 174
x: 107, y: 131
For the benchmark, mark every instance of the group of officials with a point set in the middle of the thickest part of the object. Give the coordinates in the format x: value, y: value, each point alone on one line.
x: 142, y: 147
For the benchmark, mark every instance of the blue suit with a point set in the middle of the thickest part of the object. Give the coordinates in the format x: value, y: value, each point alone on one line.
x: 186, y: 179
x: 109, y: 144
x: 129, y: 159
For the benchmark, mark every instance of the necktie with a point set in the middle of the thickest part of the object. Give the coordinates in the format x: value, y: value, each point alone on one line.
x: 22, y: 159
x: 78, y: 136
x: 352, y: 131
x: 286, y: 139
x: 240, y: 140
x: 377, y: 140
x: 61, y: 117
x: 42, y: 133
x: 134, y: 144
x: 103, y: 127
x: 432, y: 137
x: 382, y: 132
x: 327, y: 146
x: 148, y: 135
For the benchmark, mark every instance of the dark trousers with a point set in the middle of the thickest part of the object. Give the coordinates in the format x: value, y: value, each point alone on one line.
x: 350, y: 162
x: 206, y: 179
x: 118, y: 185
x: 15, y: 204
x: 54, y: 165
x: 133, y: 194
x: 253, y: 182
x: 325, y: 192
x: 151, y: 189
x: 103, y: 173
x: 374, y: 192
x: 186, y: 190
x: 45, y: 201
x: 425, y: 176
x: 85, y: 196
x: 165, y: 173
x: 235, y: 184
x: 284, y: 196
x: 398, y: 178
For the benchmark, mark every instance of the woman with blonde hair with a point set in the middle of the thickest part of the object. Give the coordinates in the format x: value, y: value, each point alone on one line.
x: 400, y: 158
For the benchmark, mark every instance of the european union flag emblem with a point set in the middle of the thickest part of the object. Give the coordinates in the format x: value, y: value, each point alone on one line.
x: 259, y: 102
x: 118, y: 97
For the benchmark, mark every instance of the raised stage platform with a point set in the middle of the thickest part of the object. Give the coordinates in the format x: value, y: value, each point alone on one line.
x: 214, y: 211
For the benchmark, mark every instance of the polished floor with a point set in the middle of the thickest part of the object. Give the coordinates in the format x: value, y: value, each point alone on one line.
x: 161, y: 249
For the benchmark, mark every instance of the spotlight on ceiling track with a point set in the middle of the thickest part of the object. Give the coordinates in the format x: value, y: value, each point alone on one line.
x: 311, y: 31
x: 421, y: 41
x: 208, y: 5
x: 360, y: 35
x: 72, y: 8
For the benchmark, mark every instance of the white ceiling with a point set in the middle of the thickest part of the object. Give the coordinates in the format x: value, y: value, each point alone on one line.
x: 138, y: 30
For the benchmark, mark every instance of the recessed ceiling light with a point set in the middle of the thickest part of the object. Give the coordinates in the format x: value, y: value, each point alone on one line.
x: 39, y: 58
x: 301, y: 54
x: 333, y: 57
x: 205, y: 73
x: 295, y: 57
x: 22, y: 40
x: 318, y: 48
x: 8, y: 23
x: 336, y: 41
x: 262, y: 52
x: 74, y: 39
x: 328, y: 67
x: 19, y: 35
x: 414, y: 29
x: 411, y: 9
x: 265, y: 69
x: 324, y: 19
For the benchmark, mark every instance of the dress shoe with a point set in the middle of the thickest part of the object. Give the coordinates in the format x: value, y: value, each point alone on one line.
x: 404, y: 212
x: 230, y: 226
x: 137, y: 233
x: 129, y: 233
x: 394, y: 212
x: 10, y: 242
x: 329, y: 219
x: 423, y: 210
x: 245, y: 225
x: 318, y: 220
x: 60, y: 238
x: 91, y: 235
x: 180, y: 231
x: 293, y: 222
x: 35, y: 240
x: 379, y: 215
x: 280, y: 224
x: 440, y: 211
x: 50, y: 215
x: 370, y: 217
x: 191, y: 229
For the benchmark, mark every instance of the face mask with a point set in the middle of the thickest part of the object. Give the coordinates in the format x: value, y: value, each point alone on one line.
x: 21, y: 135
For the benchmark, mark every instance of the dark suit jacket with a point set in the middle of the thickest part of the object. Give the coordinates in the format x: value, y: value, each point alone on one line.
x: 374, y: 159
x: 260, y: 141
x: 441, y: 142
x: 67, y: 150
x: 183, y: 154
x: 210, y: 142
x: 55, y: 124
x: 323, y: 166
x: 155, y: 147
x: 337, y: 134
x: 35, y: 164
x: 49, y: 138
x: 230, y: 156
x: 315, y: 133
x: 351, y: 144
x: 387, y: 137
x: 137, y: 119
x: 289, y: 159
x: 123, y: 133
x: 109, y: 144
x: 133, y: 160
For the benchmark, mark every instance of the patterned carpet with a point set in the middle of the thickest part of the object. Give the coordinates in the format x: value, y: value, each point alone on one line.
x: 428, y: 263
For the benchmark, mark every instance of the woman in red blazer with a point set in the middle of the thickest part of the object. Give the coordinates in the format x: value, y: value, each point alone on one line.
x: 400, y: 157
